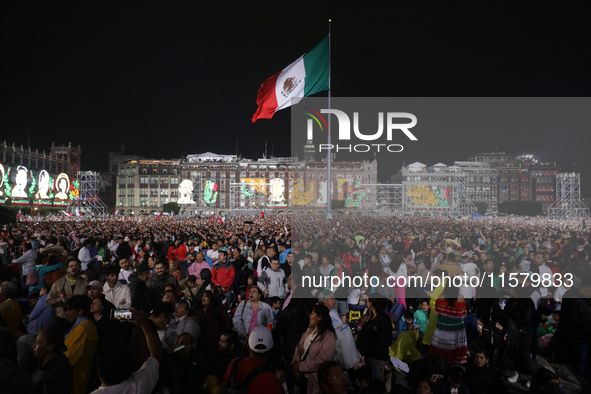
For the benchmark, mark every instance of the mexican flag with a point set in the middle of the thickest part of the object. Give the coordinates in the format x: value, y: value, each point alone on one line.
x: 304, y: 77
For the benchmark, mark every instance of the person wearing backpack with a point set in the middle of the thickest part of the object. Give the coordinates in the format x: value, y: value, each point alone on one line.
x: 251, y: 375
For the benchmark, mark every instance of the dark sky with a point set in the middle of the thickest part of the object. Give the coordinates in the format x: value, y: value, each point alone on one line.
x: 165, y: 77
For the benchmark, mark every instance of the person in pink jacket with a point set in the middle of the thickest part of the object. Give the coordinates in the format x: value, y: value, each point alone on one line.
x: 318, y: 344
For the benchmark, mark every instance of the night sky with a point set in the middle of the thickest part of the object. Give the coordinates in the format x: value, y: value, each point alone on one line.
x: 165, y: 78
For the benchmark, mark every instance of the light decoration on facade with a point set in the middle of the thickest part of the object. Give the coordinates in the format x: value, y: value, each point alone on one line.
x: 424, y: 197
x: 186, y: 192
x: 355, y: 196
x: 246, y: 191
x: 18, y: 191
x: 62, y: 185
x: 210, y: 194
x: 277, y: 190
x: 7, y: 188
x: 259, y: 184
x: 299, y: 196
x: 74, y: 190
x: 33, y: 184
x: 2, y: 174
x: 44, y: 190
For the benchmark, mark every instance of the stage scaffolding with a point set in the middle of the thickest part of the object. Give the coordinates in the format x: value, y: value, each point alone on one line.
x: 88, y: 201
x: 246, y: 197
x: 568, y: 202
x: 383, y: 199
x: 462, y: 206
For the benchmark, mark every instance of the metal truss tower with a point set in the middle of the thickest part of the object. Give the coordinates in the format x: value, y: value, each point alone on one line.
x: 88, y: 201
x: 462, y: 206
x: 568, y: 198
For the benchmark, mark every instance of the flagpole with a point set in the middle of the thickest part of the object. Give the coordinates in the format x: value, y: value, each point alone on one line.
x: 328, y: 162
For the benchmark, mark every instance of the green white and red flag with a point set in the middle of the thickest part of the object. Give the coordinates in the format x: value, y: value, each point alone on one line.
x: 306, y: 76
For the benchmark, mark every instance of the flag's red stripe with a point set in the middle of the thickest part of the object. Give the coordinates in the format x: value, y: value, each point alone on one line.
x: 266, y: 99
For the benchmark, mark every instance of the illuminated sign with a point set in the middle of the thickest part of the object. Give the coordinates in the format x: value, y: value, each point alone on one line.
x: 423, y: 196
x: 256, y: 184
x: 62, y: 186
x: 186, y: 192
x: 210, y: 194
x: 299, y: 196
x: 44, y: 180
x: 20, y: 180
x: 2, y: 174
x: 75, y: 190
x: 277, y: 189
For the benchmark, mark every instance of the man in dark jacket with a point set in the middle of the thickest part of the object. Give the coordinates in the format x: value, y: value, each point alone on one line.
x: 158, y: 282
x: 141, y: 298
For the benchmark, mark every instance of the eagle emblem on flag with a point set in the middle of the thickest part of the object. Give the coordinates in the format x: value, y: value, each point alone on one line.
x: 289, y: 85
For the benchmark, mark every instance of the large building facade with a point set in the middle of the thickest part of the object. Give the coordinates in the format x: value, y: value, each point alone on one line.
x: 492, y: 178
x: 210, y: 182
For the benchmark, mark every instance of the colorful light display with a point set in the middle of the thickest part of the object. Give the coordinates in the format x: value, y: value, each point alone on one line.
x: 62, y: 186
x: 186, y: 192
x: 210, y: 194
x: 277, y: 192
x: 2, y: 173
x: 21, y: 180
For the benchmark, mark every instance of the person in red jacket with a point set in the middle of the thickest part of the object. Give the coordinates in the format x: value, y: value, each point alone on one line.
x: 181, y: 251
x: 223, y: 275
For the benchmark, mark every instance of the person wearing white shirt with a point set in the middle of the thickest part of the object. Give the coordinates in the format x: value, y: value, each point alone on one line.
x: 84, y: 255
x: 213, y: 253
x: 115, y: 292
x: 545, y: 273
x: 27, y: 260
x: 125, y: 271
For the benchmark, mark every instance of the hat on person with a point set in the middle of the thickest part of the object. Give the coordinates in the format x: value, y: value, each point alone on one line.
x: 260, y: 340
x: 126, y: 239
x: 51, y: 248
x: 95, y: 284
x: 324, y: 294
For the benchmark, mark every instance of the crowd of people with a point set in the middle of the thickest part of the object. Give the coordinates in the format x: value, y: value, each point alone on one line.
x: 212, y: 305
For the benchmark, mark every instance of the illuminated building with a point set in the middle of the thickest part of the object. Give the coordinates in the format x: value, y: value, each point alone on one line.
x: 224, y: 183
x: 28, y: 176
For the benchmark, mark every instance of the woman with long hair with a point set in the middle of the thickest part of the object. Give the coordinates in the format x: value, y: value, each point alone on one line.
x: 449, y: 338
x: 212, y: 319
x: 175, y: 269
x: 317, y: 345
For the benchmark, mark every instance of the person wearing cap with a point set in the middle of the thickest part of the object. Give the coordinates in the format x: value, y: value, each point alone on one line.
x: 260, y: 344
x: 94, y: 289
x: 116, y: 292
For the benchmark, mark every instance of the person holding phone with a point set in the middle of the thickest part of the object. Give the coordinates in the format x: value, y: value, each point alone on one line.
x: 114, y: 364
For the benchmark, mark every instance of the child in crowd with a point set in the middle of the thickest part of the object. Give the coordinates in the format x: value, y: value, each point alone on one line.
x: 275, y: 303
x: 422, y: 316
x: 406, y: 323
